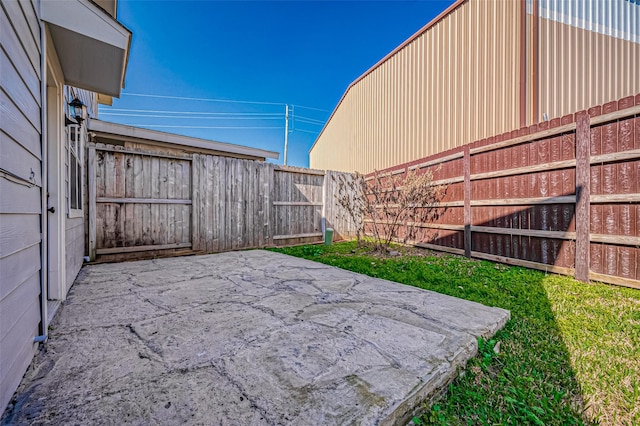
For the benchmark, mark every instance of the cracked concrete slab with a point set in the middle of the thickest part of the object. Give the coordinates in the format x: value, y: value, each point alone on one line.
x: 249, y: 337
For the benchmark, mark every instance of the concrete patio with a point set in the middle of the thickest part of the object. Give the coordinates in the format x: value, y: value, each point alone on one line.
x: 246, y: 338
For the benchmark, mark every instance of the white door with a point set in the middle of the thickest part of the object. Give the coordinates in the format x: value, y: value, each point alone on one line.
x: 55, y: 137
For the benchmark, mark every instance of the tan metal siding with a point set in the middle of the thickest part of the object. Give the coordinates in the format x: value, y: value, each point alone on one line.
x: 460, y: 79
x: 20, y: 155
x: 455, y: 83
x: 580, y: 67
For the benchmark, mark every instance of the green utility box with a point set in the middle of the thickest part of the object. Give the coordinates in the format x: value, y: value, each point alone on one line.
x: 328, y: 236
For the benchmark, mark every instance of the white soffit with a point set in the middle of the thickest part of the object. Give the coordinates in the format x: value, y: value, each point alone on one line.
x: 92, y: 47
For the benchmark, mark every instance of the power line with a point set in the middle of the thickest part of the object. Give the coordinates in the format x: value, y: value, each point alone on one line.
x: 147, y: 95
x: 202, y: 127
x: 108, y: 111
x: 315, y: 109
x: 279, y: 117
x: 186, y: 98
x: 309, y: 123
x: 307, y: 131
x: 309, y: 120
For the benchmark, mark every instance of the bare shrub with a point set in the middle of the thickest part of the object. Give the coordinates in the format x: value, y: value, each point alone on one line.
x: 390, y: 207
x: 350, y: 196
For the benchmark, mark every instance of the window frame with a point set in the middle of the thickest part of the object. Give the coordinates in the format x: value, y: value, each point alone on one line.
x: 75, y: 151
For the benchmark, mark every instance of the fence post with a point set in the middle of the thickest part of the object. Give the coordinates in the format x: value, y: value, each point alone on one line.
x: 583, y: 179
x: 323, y: 220
x: 466, y: 166
x: 195, y: 202
x: 91, y: 171
x: 269, y: 203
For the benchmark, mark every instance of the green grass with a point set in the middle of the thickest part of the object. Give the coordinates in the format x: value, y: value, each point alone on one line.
x: 569, y: 355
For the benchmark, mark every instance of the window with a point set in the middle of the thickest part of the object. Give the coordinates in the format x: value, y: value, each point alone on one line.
x: 74, y: 176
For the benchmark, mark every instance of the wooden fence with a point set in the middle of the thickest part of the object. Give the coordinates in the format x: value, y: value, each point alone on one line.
x: 144, y: 203
x: 138, y: 202
x: 562, y: 196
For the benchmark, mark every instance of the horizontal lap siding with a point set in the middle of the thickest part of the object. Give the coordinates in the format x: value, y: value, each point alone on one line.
x: 74, y: 248
x: 20, y: 203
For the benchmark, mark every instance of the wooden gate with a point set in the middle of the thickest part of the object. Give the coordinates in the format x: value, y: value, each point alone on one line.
x: 138, y: 202
x: 298, y: 205
x: 143, y: 204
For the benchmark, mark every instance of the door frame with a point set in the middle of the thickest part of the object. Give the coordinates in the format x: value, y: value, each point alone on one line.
x: 54, y: 143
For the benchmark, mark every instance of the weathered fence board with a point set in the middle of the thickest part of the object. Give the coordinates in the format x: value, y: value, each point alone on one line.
x: 137, y: 201
x: 336, y: 216
x: 297, y: 205
x: 156, y: 203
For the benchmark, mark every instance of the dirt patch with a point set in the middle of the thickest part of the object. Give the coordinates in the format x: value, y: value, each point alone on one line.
x: 395, y: 251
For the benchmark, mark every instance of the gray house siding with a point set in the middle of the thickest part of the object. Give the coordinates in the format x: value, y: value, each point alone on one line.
x: 21, y: 189
x: 74, y: 248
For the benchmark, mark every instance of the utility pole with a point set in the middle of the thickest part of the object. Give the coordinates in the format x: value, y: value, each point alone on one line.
x: 286, y: 132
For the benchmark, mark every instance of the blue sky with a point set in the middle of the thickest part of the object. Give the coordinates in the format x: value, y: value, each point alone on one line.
x: 267, y: 54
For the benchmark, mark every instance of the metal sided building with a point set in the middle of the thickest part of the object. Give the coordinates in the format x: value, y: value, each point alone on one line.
x: 479, y: 69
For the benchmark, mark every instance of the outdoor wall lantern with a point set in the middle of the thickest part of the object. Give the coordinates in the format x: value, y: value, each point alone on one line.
x: 78, y: 111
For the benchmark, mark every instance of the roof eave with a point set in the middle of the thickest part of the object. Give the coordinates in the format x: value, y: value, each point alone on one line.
x: 123, y: 130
